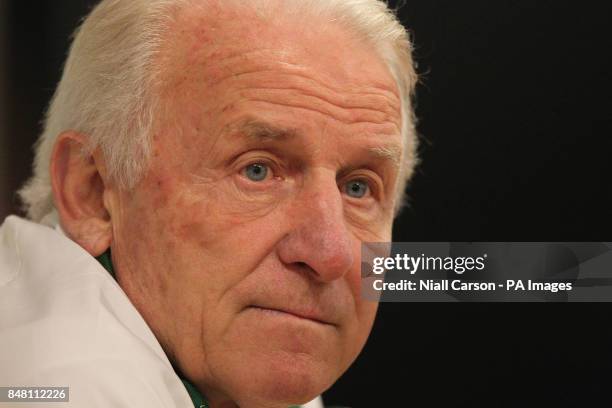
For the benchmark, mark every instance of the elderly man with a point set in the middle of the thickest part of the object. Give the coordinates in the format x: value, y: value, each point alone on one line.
x: 206, y: 176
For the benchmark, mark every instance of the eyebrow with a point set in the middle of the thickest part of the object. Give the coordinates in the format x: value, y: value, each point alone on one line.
x: 259, y: 131
x: 391, y: 153
x: 262, y: 131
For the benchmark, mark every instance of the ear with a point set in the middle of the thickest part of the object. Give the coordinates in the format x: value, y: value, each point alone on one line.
x: 78, y: 182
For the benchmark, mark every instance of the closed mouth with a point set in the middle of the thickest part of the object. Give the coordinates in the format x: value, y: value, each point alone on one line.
x: 292, y: 313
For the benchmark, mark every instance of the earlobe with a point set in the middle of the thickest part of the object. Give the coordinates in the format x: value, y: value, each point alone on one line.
x: 78, y: 183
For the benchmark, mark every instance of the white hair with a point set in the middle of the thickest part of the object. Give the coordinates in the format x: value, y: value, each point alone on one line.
x: 107, y: 90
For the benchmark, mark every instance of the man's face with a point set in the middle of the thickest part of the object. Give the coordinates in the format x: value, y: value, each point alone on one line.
x: 276, y: 157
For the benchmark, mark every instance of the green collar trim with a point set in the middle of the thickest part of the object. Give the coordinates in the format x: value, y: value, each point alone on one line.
x: 197, y: 398
x: 106, y: 261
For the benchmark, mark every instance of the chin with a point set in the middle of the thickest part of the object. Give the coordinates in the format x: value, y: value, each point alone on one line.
x: 280, y: 379
x: 271, y: 359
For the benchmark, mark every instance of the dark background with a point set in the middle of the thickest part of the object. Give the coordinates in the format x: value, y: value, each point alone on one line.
x: 514, y: 111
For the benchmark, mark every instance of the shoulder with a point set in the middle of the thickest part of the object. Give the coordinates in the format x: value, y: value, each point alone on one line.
x: 65, y: 322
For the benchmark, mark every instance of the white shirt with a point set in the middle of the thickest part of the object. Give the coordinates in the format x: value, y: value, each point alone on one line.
x: 65, y: 322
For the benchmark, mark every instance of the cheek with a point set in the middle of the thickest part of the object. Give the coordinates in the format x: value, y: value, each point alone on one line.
x: 213, y: 240
x: 358, y: 327
x: 357, y: 331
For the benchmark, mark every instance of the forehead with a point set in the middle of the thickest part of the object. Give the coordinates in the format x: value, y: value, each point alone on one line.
x: 208, y: 43
x: 215, y: 58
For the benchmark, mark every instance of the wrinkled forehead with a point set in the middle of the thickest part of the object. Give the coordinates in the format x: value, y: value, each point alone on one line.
x: 208, y: 43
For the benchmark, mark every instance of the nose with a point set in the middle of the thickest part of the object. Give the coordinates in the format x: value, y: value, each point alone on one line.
x: 318, y: 237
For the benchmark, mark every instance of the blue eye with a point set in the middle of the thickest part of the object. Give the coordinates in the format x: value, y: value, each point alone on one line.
x: 356, y: 188
x: 256, y: 172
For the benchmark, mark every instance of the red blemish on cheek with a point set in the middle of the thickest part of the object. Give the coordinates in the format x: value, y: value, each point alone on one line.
x: 192, y: 223
x: 159, y: 192
x: 172, y: 244
x: 194, y: 232
x: 228, y: 108
x: 160, y: 202
x: 202, y: 37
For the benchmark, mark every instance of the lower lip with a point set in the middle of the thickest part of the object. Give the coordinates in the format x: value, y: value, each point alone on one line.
x: 280, y: 313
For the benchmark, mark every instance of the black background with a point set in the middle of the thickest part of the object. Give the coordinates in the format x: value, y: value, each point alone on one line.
x: 514, y: 110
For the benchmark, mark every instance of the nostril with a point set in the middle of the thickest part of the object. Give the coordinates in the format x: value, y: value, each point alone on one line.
x: 303, y: 268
